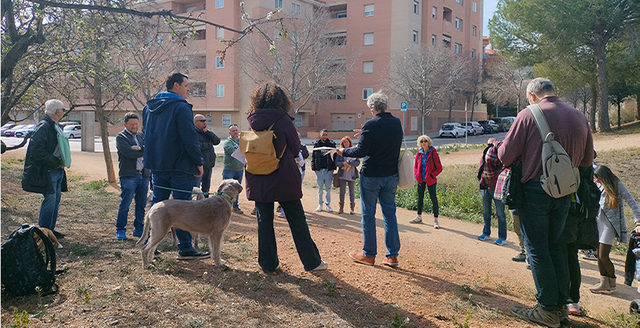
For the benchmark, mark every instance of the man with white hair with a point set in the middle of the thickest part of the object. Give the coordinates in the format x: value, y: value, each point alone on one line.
x: 379, y: 144
x: 44, y: 167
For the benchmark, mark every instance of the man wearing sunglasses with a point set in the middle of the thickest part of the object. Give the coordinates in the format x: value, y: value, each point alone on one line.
x: 207, y: 139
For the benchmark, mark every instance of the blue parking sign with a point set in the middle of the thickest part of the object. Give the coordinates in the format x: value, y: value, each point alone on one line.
x: 403, y: 105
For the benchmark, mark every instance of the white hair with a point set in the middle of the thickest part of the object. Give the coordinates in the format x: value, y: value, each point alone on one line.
x: 52, y: 106
x: 540, y: 86
x: 378, y: 102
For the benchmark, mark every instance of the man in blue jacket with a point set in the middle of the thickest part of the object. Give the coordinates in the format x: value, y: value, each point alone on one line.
x: 134, y: 179
x: 172, y: 150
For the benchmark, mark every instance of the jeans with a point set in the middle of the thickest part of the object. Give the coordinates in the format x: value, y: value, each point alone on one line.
x: 432, y: 195
x: 51, y: 203
x: 325, y: 181
x: 267, y: 249
x: 180, y: 181
x: 343, y: 190
x: 205, y: 179
x: 236, y: 175
x: 487, y: 197
x: 542, y: 219
x: 384, y: 190
x: 129, y: 188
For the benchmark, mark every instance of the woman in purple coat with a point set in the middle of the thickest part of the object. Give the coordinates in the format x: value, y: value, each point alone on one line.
x: 270, y: 105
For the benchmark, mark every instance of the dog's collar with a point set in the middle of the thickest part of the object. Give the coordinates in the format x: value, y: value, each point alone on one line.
x: 226, y: 196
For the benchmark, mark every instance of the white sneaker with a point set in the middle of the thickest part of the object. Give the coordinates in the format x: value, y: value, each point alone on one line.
x: 319, y: 209
x: 436, y: 224
x: 417, y: 219
x: 328, y: 208
x: 323, y: 266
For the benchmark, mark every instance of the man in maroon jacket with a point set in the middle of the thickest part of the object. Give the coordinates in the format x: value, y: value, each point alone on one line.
x: 542, y: 217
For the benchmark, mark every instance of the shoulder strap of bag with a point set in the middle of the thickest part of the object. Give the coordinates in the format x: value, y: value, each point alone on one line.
x: 541, y: 122
x: 50, y: 251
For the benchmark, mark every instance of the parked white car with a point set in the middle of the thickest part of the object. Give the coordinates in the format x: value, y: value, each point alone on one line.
x: 72, y: 131
x: 473, y: 128
x: 453, y: 130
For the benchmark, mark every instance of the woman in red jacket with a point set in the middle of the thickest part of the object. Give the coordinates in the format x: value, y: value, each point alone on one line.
x: 426, y: 168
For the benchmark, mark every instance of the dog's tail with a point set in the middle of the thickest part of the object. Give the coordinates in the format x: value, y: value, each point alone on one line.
x: 145, y: 232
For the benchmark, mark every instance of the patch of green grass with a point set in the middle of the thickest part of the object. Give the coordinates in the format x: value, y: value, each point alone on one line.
x: 330, y: 286
x: 167, y: 266
x: 197, y: 323
x: 95, y: 185
x: 21, y: 319
x: 83, y: 292
x: 398, y: 321
x: 82, y: 250
x: 204, y: 293
x: 617, y: 319
x: 125, y: 271
x: 87, y: 263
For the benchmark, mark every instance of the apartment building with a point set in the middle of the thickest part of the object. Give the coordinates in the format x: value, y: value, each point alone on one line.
x: 371, y: 31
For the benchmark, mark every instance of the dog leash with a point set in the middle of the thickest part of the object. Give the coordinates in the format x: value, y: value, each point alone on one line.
x: 195, y: 192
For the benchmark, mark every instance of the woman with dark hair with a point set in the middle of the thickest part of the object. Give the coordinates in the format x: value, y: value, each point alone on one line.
x: 611, y: 223
x: 347, y: 174
x: 270, y: 108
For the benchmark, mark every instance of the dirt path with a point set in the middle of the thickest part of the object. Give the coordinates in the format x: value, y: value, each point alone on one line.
x: 434, y: 264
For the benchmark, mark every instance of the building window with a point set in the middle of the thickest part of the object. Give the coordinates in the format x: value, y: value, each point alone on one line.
x: 208, y: 117
x: 278, y: 4
x: 475, y: 7
x: 473, y: 53
x: 459, y: 1
x: 220, y: 91
x: 433, y: 40
x: 415, y: 36
x: 298, y: 121
x: 473, y: 30
x: 416, y: 7
x: 197, y: 89
x: 434, y: 12
x: 367, y: 67
x: 295, y: 8
x: 368, y: 39
x: 368, y: 10
x: 458, y: 48
x: 226, y: 119
x: 446, y: 14
x: 219, y: 62
x: 341, y: 14
x: 458, y: 23
x: 366, y: 93
x: 219, y: 33
x: 219, y: 4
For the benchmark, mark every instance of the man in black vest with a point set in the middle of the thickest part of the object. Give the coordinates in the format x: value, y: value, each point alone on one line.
x: 207, y: 139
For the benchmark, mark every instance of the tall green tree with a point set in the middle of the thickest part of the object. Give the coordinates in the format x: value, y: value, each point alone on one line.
x: 528, y: 31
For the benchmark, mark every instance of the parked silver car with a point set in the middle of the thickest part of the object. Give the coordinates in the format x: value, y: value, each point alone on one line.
x: 473, y: 128
x: 72, y: 131
x: 453, y: 130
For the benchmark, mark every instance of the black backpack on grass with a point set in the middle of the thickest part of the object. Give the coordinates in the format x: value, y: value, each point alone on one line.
x: 24, y: 268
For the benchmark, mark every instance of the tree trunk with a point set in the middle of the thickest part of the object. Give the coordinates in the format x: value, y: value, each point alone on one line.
x: 619, y: 116
x: 104, y: 137
x: 592, y: 113
x: 473, y: 107
x: 603, y: 87
x: 638, y: 105
x: 450, y: 108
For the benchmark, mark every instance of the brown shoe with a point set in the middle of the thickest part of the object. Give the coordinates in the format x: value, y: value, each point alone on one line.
x: 390, y: 261
x: 360, y: 258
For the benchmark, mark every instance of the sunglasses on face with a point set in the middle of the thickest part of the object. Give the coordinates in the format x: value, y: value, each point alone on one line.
x: 201, y: 121
x: 423, y: 141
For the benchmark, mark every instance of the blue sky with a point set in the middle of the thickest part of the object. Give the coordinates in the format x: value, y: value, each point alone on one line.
x: 489, y: 8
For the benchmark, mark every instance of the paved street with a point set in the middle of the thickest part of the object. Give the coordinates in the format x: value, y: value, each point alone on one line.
x: 411, y: 141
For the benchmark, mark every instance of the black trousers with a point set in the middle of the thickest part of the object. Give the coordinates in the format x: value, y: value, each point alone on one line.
x: 267, y: 248
x: 432, y: 195
x: 574, y: 276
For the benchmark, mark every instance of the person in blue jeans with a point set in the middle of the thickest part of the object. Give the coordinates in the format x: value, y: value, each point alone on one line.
x: 233, y: 168
x: 44, y: 171
x: 134, y: 179
x: 380, y: 140
x: 323, y: 163
x: 490, y: 168
x: 172, y: 151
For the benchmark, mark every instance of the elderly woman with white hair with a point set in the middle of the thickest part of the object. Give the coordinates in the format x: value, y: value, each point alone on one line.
x: 44, y: 167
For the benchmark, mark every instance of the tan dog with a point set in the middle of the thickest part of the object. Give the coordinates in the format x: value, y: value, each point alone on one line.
x: 49, y: 234
x: 197, y: 195
x: 210, y: 217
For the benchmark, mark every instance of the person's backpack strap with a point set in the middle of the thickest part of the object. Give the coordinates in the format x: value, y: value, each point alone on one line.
x: 275, y: 137
x: 50, y: 251
x: 541, y: 122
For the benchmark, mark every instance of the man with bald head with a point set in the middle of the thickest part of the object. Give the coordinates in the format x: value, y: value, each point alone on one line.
x: 207, y: 139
